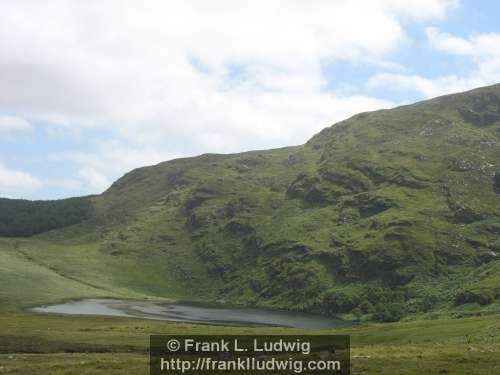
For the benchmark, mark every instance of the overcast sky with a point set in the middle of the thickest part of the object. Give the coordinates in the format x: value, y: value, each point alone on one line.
x: 91, y: 89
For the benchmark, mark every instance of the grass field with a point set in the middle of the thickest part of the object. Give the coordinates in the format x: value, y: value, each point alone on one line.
x: 50, y: 344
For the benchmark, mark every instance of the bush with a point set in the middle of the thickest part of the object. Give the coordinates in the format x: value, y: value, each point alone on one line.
x: 335, y: 301
x: 468, y: 296
x: 422, y: 304
x: 366, y: 307
x: 392, y: 312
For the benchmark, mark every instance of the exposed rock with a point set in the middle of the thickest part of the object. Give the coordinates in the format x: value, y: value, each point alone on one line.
x: 466, y: 215
x: 461, y: 165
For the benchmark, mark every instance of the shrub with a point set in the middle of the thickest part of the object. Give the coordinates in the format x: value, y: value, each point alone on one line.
x: 335, y: 301
x: 391, y: 312
x: 468, y: 296
x: 429, y: 302
x: 366, y: 307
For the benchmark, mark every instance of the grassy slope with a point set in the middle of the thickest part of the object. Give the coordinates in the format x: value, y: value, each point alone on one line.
x: 34, y: 273
x: 26, y: 283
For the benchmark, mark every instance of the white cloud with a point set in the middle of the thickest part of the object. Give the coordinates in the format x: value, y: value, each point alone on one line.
x: 449, y: 43
x: 219, y: 76
x: 97, y: 170
x: 93, y: 180
x: 428, y: 87
x: 423, y: 8
x: 483, y: 49
x: 479, y: 45
x: 16, y: 184
x: 10, y: 124
x: 65, y: 183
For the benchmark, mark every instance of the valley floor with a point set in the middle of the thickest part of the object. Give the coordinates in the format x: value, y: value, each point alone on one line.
x: 54, y: 344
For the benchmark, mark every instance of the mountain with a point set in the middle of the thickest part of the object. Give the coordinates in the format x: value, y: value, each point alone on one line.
x: 385, y: 214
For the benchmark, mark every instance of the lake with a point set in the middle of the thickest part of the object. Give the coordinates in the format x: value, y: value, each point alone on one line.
x: 194, y: 313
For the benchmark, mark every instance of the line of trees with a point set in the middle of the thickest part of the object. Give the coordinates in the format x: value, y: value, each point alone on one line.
x: 22, y: 218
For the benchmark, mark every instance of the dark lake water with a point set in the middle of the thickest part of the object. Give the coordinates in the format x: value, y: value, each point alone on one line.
x: 194, y: 313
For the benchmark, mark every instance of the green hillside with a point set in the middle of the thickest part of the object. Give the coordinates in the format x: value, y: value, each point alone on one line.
x: 387, y: 214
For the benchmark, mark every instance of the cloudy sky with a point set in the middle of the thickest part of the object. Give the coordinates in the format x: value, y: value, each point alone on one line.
x: 91, y: 89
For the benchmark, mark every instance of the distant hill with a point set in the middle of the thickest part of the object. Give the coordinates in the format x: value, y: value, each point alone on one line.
x: 382, y: 215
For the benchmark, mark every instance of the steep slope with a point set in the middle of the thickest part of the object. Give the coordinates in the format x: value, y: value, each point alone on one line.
x: 386, y: 213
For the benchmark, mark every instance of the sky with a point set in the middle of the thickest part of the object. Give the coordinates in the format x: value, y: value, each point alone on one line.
x: 92, y: 89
